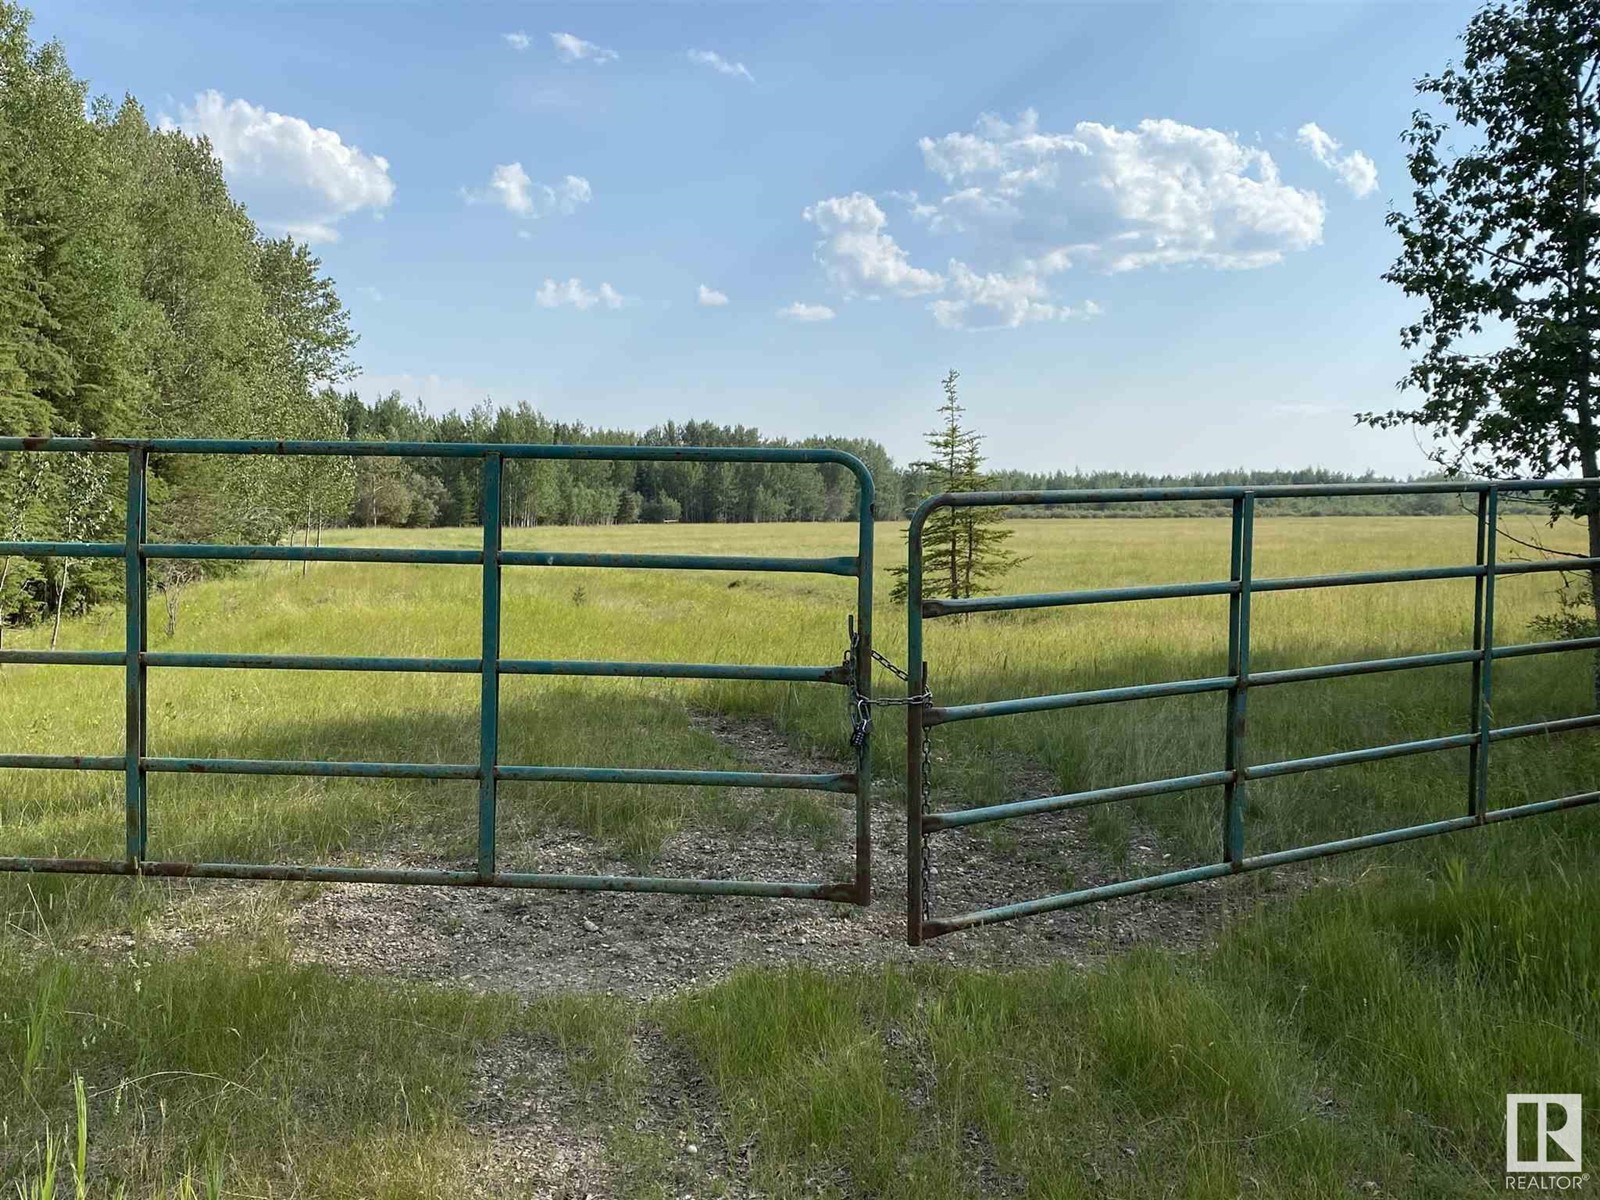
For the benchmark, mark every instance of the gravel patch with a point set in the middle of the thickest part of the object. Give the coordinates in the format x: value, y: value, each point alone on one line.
x: 639, y: 945
x: 530, y: 1136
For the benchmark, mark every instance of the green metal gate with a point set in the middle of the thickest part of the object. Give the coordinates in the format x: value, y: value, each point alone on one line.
x: 136, y: 659
x: 1234, y: 773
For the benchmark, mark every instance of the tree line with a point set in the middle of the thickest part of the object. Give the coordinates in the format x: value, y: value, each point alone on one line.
x: 445, y: 491
x: 1425, y: 505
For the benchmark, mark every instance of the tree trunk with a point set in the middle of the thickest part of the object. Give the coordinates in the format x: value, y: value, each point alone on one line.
x: 955, y: 558
x: 972, y: 548
x: 1590, y: 463
x: 1589, y: 460
x: 61, y: 598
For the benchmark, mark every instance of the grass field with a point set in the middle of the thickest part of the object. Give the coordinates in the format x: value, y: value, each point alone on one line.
x: 1355, y: 1040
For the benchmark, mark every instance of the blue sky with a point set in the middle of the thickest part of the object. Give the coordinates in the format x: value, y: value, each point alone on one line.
x: 1149, y: 236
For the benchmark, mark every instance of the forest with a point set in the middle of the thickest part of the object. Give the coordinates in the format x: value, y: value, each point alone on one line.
x: 444, y: 492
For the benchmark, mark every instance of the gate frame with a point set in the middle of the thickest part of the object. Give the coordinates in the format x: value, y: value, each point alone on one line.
x: 136, y: 658
x: 1236, y: 773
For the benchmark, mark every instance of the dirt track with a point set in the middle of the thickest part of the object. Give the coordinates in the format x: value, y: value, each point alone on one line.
x: 641, y: 945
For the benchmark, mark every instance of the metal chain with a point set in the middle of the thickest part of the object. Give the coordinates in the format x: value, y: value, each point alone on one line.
x: 861, y: 724
x: 860, y: 714
x: 924, y: 697
x: 893, y: 670
x: 928, y: 869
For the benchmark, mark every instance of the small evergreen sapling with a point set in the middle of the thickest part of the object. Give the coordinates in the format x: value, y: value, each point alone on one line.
x: 963, y: 549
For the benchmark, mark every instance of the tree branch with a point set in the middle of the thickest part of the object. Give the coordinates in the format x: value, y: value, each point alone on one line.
x: 1511, y: 537
x: 1489, y: 250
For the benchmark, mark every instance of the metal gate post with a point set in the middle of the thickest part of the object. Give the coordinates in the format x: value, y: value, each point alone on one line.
x: 1243, y: 550
x: 865, y: 519
x: 135, y: 595
x: 1475, y: 703
x: 1483, y: 701
x: 489, y: 705
x: 917, y: 669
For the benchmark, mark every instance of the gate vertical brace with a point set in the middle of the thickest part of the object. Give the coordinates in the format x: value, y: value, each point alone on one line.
x: 135, y: 595
x: 1240, y: 565
x: 917, y: 669
x: 1484, y: 701
x: 1475, y: 705
x: 489, y: 705
x: 863, y: 672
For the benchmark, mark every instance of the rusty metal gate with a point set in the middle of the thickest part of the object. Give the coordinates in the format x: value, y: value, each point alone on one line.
x: 136, y: 659
x: 925, y: 821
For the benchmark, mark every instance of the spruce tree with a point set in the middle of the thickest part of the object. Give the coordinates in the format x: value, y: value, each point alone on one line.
x: 963, y: 549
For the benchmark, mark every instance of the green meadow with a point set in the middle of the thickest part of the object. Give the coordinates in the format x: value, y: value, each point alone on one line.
x: 1355, y: 1035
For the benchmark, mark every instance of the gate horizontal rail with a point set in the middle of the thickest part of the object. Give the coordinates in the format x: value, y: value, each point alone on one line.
x: 1236, y: 682
x: 136, y: 659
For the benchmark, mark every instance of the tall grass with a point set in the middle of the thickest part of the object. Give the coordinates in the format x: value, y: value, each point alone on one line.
x: 1364, y: 1034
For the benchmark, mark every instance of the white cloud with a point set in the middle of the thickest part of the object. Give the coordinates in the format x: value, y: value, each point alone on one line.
x: 572, y: 294
x: 1160, y: 194
x: 710, y: 58
x: 1026, y: 204
x: 1355, y: 170
x: 858, y: 255
x: 297, y: 178
x: 1000, y: 301
x: 512, y: 189
x: 710, y: 297
x: 571, y: 48
x: 517, y: 41
x: 799, y: 311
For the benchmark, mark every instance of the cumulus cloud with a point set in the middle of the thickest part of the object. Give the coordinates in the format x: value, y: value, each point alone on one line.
x: 511, y: 188
x: 1159, y: 194
x: 571, y: 48
x: 1000, y: 301
x: 517, y: 41
x: 1021, y: 204
x: 1355, y: 170
x: 859, y: 257
x: 297, y: 178
x: 572, y: 294
x: 799, y: 311
x: 710, y: 58
x: 710, y: 297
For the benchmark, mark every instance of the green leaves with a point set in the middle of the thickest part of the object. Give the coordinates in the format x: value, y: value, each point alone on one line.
x: 1502, y: 245
x: 136, y: 299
